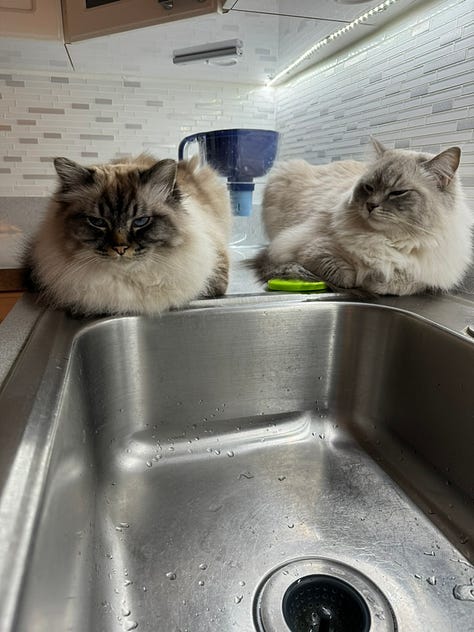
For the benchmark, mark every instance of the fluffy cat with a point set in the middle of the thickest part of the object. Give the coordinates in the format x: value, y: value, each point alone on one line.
x: 132, y: 237
x: 396, y: 226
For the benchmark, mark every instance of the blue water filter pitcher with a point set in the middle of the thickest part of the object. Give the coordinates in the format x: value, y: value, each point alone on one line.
x: 238, y: 154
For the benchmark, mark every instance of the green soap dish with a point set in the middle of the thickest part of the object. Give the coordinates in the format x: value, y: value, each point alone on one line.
x: 296, y: 285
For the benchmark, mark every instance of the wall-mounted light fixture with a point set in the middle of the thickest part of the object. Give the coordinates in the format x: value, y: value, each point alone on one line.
x: 220, y: 53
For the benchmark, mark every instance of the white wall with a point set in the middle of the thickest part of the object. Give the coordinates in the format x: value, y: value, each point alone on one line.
x: 411, y: 86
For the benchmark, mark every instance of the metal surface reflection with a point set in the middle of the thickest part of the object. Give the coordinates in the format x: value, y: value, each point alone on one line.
x: 155, y: 471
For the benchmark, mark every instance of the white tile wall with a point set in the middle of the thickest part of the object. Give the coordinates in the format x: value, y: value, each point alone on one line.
x: 411, y: 85
x: 93, y: 119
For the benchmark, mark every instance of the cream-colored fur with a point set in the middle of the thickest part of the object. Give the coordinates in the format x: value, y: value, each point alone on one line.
x: 315, y: 219
x: 77, y: 279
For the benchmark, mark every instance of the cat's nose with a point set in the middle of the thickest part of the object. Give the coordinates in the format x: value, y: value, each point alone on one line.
x: 120, y: 249
x: 370, y: 206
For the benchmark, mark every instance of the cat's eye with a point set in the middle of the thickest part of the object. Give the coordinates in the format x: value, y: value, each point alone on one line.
x: 398, y: 193
x: 97, y: 222
x: 140, y: 222
x: 368, y: 188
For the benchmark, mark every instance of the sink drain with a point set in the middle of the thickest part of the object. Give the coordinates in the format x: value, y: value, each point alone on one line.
x: 321, y: 595
x: 324, y: 604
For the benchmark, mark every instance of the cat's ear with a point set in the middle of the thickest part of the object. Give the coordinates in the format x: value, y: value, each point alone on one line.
x: 444, y: 166
x: 161, y: 176
x: 72, y: 174
x: 377, y: 145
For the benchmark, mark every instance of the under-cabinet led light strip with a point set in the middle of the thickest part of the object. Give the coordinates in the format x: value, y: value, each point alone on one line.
x: 329, y: 38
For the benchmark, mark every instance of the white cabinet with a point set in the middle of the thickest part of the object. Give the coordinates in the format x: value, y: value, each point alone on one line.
x: 89, y: 18
x: 39, y: 19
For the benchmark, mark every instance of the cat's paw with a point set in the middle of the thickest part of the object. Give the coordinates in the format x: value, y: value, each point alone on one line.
x: 335, y: 271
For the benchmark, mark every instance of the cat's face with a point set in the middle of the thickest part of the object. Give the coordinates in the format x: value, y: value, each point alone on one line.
x: 119, y: 212
x: 403, y: 190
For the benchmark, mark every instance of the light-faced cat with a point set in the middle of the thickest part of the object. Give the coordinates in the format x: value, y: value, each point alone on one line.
x: 396, y: 226
x: 132, y: 237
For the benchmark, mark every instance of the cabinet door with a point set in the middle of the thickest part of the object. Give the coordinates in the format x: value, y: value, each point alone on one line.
x: 7, y: 302
x: 31, y: 18
x: 90, y: 18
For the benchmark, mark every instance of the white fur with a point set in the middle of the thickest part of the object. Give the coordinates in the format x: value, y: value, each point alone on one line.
x: 310, y: 218
x: 96, y: 285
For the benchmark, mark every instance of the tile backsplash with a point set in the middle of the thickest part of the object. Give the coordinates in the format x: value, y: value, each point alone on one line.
x: 93, y: 118
x: 411, y: 85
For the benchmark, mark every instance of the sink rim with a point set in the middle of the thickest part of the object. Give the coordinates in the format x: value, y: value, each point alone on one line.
x: 71, y: 330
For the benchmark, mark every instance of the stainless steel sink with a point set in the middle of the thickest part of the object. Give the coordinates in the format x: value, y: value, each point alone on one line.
x: 179, y: 474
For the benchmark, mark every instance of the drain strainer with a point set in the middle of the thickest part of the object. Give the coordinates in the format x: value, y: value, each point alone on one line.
x: 321, y: 595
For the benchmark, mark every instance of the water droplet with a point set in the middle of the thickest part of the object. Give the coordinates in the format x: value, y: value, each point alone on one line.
x: 202, y: 566
x: 417, y: 576
x: 124, y: 525
x: 170, y: 575
x: 118, y: 528
x: 286, y: 572
x: 242, y: 583
x: 126, y: 611
x: 238, y: 598
x: 282, y: 478
x: 109, y: 555
x: 127, y: 582
x: 322, y: 436
x: 171, y: 448
x: 291, y: 525
x: 464, y: 592
x: 149, y: 463
x: 200, y: 583
x: 230, y: 453
x: 431, y: 580
x: 245, y: 475
x: 157, y: 457
x: 130, y: 625
x: 217, y: 452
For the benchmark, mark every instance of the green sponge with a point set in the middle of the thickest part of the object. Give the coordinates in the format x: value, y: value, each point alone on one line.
x: 295, y: 285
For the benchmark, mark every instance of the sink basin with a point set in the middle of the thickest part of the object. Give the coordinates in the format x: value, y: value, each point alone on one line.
x: 157, y: 473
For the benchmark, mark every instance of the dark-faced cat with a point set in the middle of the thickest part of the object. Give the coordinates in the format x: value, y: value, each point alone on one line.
x: 132, y: 237
x: 398, y: 225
